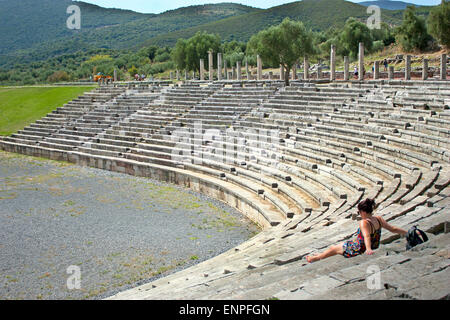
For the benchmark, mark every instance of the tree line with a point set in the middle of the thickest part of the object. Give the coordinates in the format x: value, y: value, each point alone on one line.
x: 284, y: 44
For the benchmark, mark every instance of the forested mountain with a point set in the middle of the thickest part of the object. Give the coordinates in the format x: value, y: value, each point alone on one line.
x: 27, y: 22
x: 35, y: 30
x: 319, y: 15
x: 389, y: 5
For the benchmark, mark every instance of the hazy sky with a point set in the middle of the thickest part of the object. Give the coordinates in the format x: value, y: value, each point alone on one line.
x: 158, y: 6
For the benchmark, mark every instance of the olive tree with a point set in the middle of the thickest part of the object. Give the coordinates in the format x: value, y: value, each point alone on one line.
x: 352, y: 34
x: 412, y: 34
x: 187, y: 53
x: 439, y: 23
x: 283, y: 45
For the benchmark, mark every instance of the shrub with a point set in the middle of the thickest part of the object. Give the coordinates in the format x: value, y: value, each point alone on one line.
x: 58, y: 76
x: 378, y: 45
x: 353, y: 33
x: 132, y: 71
x: 439, y: 23
x: 412, y: 34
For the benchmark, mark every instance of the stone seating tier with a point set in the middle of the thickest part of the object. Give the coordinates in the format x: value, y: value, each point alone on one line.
x: 337, y: 144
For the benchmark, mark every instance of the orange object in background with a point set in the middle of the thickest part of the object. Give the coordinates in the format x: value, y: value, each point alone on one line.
x: 99, y: 76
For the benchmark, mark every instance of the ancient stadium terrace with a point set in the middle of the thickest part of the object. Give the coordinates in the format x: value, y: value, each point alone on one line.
x: 296, y: 160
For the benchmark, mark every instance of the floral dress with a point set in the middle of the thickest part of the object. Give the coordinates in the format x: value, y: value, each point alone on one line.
x: 357, y: 246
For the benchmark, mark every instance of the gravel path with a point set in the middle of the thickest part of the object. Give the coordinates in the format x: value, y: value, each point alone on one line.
x: 119, y: 231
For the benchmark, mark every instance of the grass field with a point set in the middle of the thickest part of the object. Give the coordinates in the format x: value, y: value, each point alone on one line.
x: 23, y: 105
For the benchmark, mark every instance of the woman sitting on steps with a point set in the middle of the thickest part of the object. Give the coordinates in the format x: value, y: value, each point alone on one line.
x: 367, y: 237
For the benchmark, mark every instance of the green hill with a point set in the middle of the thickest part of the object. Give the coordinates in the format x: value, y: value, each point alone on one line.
x: 25, y: 23
x: 319, y: 15
x: 390, y: 5
x: 122, y: 29
x: 315, y: 14
x: 100, y: 27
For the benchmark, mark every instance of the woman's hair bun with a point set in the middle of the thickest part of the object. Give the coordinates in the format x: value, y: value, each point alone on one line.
x: 367, y: 205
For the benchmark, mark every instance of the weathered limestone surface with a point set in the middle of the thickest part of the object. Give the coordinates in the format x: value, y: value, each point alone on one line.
x: 211, y: 65
x: 391, y: 73
x: 443, y: 67
x: 425, y: 69
x: 202, y: 69
x: 408, y: 67
x: 225, y: 69
x: 333, y: 63
x: 346, y: 68
x: 219, y: 66
x: 259, y: 66
x: 361, y: 70
x: 311, y: 153
x: 306, y: 68
x: 376, y: 70
x: 247, y: 72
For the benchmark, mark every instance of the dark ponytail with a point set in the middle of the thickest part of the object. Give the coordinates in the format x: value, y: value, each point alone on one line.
x: 367, y: 205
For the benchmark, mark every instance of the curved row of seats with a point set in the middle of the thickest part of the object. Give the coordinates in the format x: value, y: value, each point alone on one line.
x: 363, y: 149
x: 302, y: 156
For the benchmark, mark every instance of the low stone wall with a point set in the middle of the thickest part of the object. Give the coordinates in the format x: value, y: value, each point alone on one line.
x: 172, y: 175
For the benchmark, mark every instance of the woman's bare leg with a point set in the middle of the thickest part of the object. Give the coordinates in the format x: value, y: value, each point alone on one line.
x: 331, y: 251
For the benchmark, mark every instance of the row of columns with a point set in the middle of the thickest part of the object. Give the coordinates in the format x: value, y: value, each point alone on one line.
x: 237, y: 74
x: 376, y: 67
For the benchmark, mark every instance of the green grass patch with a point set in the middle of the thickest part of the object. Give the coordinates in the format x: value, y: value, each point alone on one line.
x: 21, y: 106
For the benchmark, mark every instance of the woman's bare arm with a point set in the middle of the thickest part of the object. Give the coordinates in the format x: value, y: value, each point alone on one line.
x: 391, y: 228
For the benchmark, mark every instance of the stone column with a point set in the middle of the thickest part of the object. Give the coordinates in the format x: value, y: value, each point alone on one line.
x: 346, y: 68
x: 376, y: 70
x: 193, y: 75
x: 270, y: 75
x: 425, y: 69
x: 408, y: 67
x: 294, y: 72
x: 281, y: 73
x: 178, y: 75
x: 259, y: 64
x: 225, y: 69
x: 230, y: 75
x: 305, y: 68
x: 186, y: 76
x: 219, y: 66
x: 246, y: 69
x: 211, y: 65
x: 233, y: 73
x: 443, y: 66
x: 333, y: 63
x: 171, y: 75
x: 202, y: 69
x: 319, y: 72
x: 361, y: 61
x: 391, y: 73
x: 239, y: 71
x: 115, y: 75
